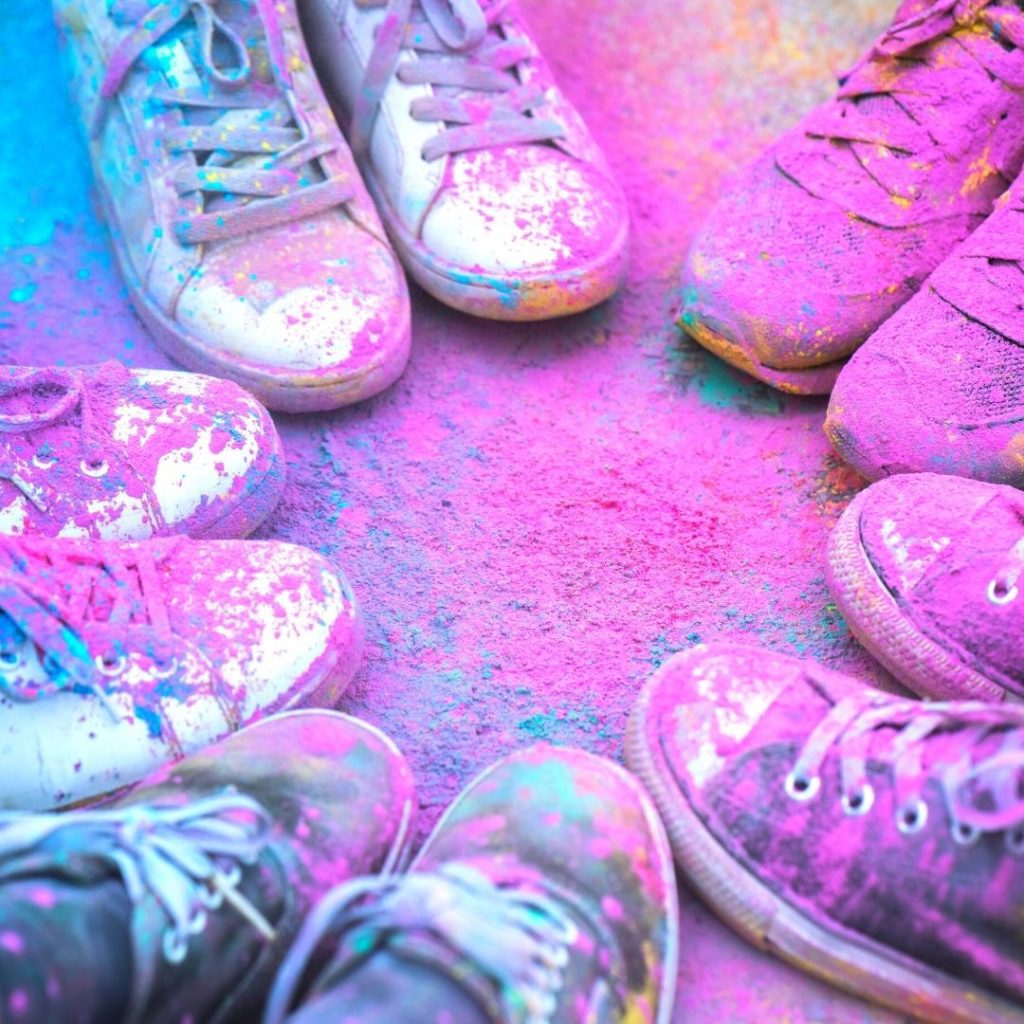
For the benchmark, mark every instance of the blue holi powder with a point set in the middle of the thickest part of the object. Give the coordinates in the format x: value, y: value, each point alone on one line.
x: 22, y: 293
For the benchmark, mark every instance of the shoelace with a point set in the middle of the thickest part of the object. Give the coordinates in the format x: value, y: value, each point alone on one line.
x: 462, y: 53
x: 875, y: 75
x: 983, y: 791
x: 51, y: 596
x: 520, y: 939
x: 59, y: 393
x: 187, y: 858
x: 257, y: 173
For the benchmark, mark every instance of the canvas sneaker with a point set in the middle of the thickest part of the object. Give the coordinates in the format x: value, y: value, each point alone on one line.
x: 925, y: 570
x: 940, y: 386
x: 118, y: 454
x: 493, y: 191
x: 244, y: 234
x: 874, y: 841
x: 179, y: 903
x: 118, y: 658
x: 546, y: 893
x: 838, y: 223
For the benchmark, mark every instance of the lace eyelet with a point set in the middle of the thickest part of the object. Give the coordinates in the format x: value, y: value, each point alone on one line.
x: 999, y: 593
x: 164, y: 669
x: 10, y: 659
x: 198, y: 922
x: 94, y: 468
x: 212, y: 899
x: 175, y: 947
x: 964, y: 834
x: 1014, y: 841
x: 913, y: 817
x: 800, y: 788
x: 860, y: 803
x: 43, y: 461
x: 110, y: 666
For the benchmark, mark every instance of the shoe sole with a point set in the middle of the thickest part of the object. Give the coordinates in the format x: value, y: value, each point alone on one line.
x: 282, y: 393
x: 666, y: 995
x: 498, y: 298
x: 814, y: 380
x: 883, y: 627
x: 865, y: 969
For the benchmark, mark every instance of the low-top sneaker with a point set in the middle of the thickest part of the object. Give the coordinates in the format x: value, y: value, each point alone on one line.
x: 179, y: 904
x: 118, y: 454
x: 838, y: 223
x: 925, y: 569
x: 546, y: 893
x: 244, y: 234
x: 493, y: 191
x: 874, y: 841
x: 118, y: 658
x: 940, y: 386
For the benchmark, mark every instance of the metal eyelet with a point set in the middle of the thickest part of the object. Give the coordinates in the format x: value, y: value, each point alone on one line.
x: 10, y: 659
x: 1014, y: 841
x: 800, y: 788
x: 964, y: 834
x: 94, y: 468
x: 111, y: 666
x: 175, y: 947
x: 164, y: 669
x: 43, y: 462
x: 998, y: 593
x: 859, y: 803
x: 912, y: 817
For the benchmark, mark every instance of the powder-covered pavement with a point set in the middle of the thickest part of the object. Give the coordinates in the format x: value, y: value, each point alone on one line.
x: 534, y: 517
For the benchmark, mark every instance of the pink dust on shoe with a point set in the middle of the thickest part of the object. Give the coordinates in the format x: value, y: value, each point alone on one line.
x: 837, y: 223
x: 118, y: 454
x: 940, y: 386
x: 116, y: 658
x: 925, y: 570
x: 495, y: 195
x: 873, y: 841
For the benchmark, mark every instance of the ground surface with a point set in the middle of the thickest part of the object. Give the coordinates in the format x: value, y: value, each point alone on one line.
x: 534, y: 518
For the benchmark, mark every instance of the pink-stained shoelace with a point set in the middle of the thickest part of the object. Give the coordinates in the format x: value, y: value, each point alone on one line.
x: 258, y: 144
x: 974, y: 751
x: 55, y: 597
x: 188, y: 858
x: 463, y: 53
x: 907, y: 125
x: 519, y: 939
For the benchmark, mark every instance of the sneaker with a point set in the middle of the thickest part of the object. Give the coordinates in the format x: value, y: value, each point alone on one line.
x: 246, y: 239
x: 940, y: 386
x: 871, y: 840
x: 179, y: 904
x: 118, y: 454
x: 924, y: 568
x: 546, y: 893
x: 839, y: 222
x: 118, y: 658
x: 493, y: 191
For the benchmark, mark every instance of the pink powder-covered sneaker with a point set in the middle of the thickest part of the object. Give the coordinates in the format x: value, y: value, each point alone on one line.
x: 497, y: 198
x: 873, y: 841
x: 925, y: 569
x: 545, y: 894
x: 246, y: 238
x: 179, y: 903
x: 940, y: 386
x: 118, y: 658
x: 839, y: 222
x: 118, y: 454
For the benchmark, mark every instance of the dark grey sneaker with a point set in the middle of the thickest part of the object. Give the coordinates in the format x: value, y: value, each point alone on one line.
x: 545, y: 894
x: 179, y: 903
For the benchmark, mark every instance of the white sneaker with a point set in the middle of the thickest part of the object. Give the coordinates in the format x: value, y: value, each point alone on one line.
x: 495, y: 195
x: 116, y: 659
x: 244, y: 234
x: 107, y: 452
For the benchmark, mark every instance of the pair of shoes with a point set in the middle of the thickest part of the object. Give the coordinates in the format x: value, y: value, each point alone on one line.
x: 887, y: 224
x: 874, y: 841
x: 240, y: 220
x: 124, y: 645
x: 206, y: 880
